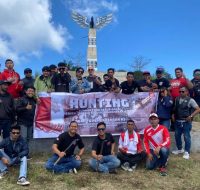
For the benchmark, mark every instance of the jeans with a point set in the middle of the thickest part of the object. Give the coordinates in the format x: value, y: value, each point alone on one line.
x: 27, y: 131
x: 5, y: 126
x: 22, y: 162
x: 166, y: 123
x: 132, y: 159
x: 107, y: 163
x: 158, y: 162
x: 183, y: 128
x: 64, y: 165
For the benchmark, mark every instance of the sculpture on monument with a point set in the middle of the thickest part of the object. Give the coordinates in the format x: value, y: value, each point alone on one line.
x: 84, y: 22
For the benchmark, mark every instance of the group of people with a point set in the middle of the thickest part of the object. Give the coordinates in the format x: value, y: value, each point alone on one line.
x: 178, y: 103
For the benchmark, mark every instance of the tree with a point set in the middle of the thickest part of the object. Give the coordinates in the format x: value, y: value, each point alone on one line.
x: 138, y: 75
x: 139, y: 63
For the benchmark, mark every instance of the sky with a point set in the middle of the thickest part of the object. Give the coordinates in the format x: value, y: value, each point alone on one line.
x: 35, y: 33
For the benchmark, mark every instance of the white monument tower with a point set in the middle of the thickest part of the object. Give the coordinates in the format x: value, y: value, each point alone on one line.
x: 84, y: 23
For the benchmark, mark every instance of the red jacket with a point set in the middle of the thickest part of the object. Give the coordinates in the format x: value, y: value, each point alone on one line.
x: 15, y: 88
x: 156, y: 137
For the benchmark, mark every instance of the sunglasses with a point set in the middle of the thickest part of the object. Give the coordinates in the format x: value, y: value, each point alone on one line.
x: 80, y: 72
x: 15, y: 133
x: 62, y: 68
x: 28, y: 72
x: 90, y: 69
x: 181, y: 91
x: 101, y: 129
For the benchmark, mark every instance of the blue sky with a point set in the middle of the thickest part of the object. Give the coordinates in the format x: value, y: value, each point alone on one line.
x: 35, y: 33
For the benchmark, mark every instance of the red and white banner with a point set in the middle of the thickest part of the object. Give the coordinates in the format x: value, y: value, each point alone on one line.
x: 57, y: 110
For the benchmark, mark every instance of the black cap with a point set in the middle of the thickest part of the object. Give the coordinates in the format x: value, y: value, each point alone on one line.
x: 146, y: 73
x: 45, y: 68
x: 159, y: 70
x: 52, y: 67
x: 61, y: 64
x: 5, y: 82
x: 27, y: 70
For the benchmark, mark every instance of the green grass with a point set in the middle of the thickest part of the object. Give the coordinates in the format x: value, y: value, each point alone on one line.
x: 182, y: 175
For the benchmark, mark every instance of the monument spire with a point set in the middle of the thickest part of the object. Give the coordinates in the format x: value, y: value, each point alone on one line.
x: 93, y: 26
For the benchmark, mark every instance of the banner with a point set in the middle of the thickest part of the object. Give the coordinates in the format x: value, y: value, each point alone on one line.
x: 57, y: 110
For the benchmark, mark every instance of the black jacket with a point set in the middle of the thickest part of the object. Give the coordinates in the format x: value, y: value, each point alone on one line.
x: 7, y: 111
x: 61, y: 82
x: 14, y: 149
x: 25, y: 116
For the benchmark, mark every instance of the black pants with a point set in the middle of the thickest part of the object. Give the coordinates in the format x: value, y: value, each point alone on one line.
x: 132, y: 159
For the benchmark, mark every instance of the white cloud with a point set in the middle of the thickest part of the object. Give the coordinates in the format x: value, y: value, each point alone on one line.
x: 92, y: 8
x: 26, y: 27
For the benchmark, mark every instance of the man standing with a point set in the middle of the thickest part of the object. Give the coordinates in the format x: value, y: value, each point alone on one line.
x: 94, y: 81
x: 25, y: 109
x: 178, y: 82
x: 13, y: 77
x: 43, y: 82
x: 79, y: 85
x: 63, y: 149
x: 103, y: 155
x: 112, y: 83
x: 160, y: 80
x: 164, y: 107
x: 62, y: 79
x: 28, y: 80
x: 147, y: 85
x: 130, y: 148
x: 157, y: 144
x: 129, y: 86
x: 185, y: 109
x: 15, y: 152
x: 7, y: 111
x: 196, y: 86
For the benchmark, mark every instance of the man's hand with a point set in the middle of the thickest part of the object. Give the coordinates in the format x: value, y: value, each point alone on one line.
x: 62, y: 154
x: 99, y: 157
x: 189, y: 119
x: 157, y: 150
x: 78, y: 157
x: 29, y: 106
x: 5, y: 161
x: 150, y: 156
x: 122, y: 150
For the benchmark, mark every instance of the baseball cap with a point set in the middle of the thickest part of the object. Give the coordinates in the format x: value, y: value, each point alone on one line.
x: 27, y: 70
x: 5, y: 82
x: 153, y: 115
x: 159, y: 70
x: 146, y: 73
x: 45, y: 68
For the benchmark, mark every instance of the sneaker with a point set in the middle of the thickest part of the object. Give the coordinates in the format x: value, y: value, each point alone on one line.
x: 176, y: 152
x: 125, y: 166
x: 186, y: 155
x: 134, y: 166
x: 163, y: 171
x: 22, y: 181
x: 2, y: 174
x: 73, y: 171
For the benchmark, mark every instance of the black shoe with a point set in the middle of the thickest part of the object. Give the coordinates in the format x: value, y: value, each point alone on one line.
x: 112, y: 171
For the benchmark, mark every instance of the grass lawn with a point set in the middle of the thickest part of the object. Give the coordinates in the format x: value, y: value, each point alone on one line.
x: 182, y: 175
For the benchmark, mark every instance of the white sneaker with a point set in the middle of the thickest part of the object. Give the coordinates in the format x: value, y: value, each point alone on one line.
x: 75, y: 171
x: 176, y: 152
x: 186, y: 155
x: 134, y: 166
x: 125, y: 166
x: 22, y: 181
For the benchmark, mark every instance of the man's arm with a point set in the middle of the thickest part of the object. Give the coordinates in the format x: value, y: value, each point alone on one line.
x: 58, y: 152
